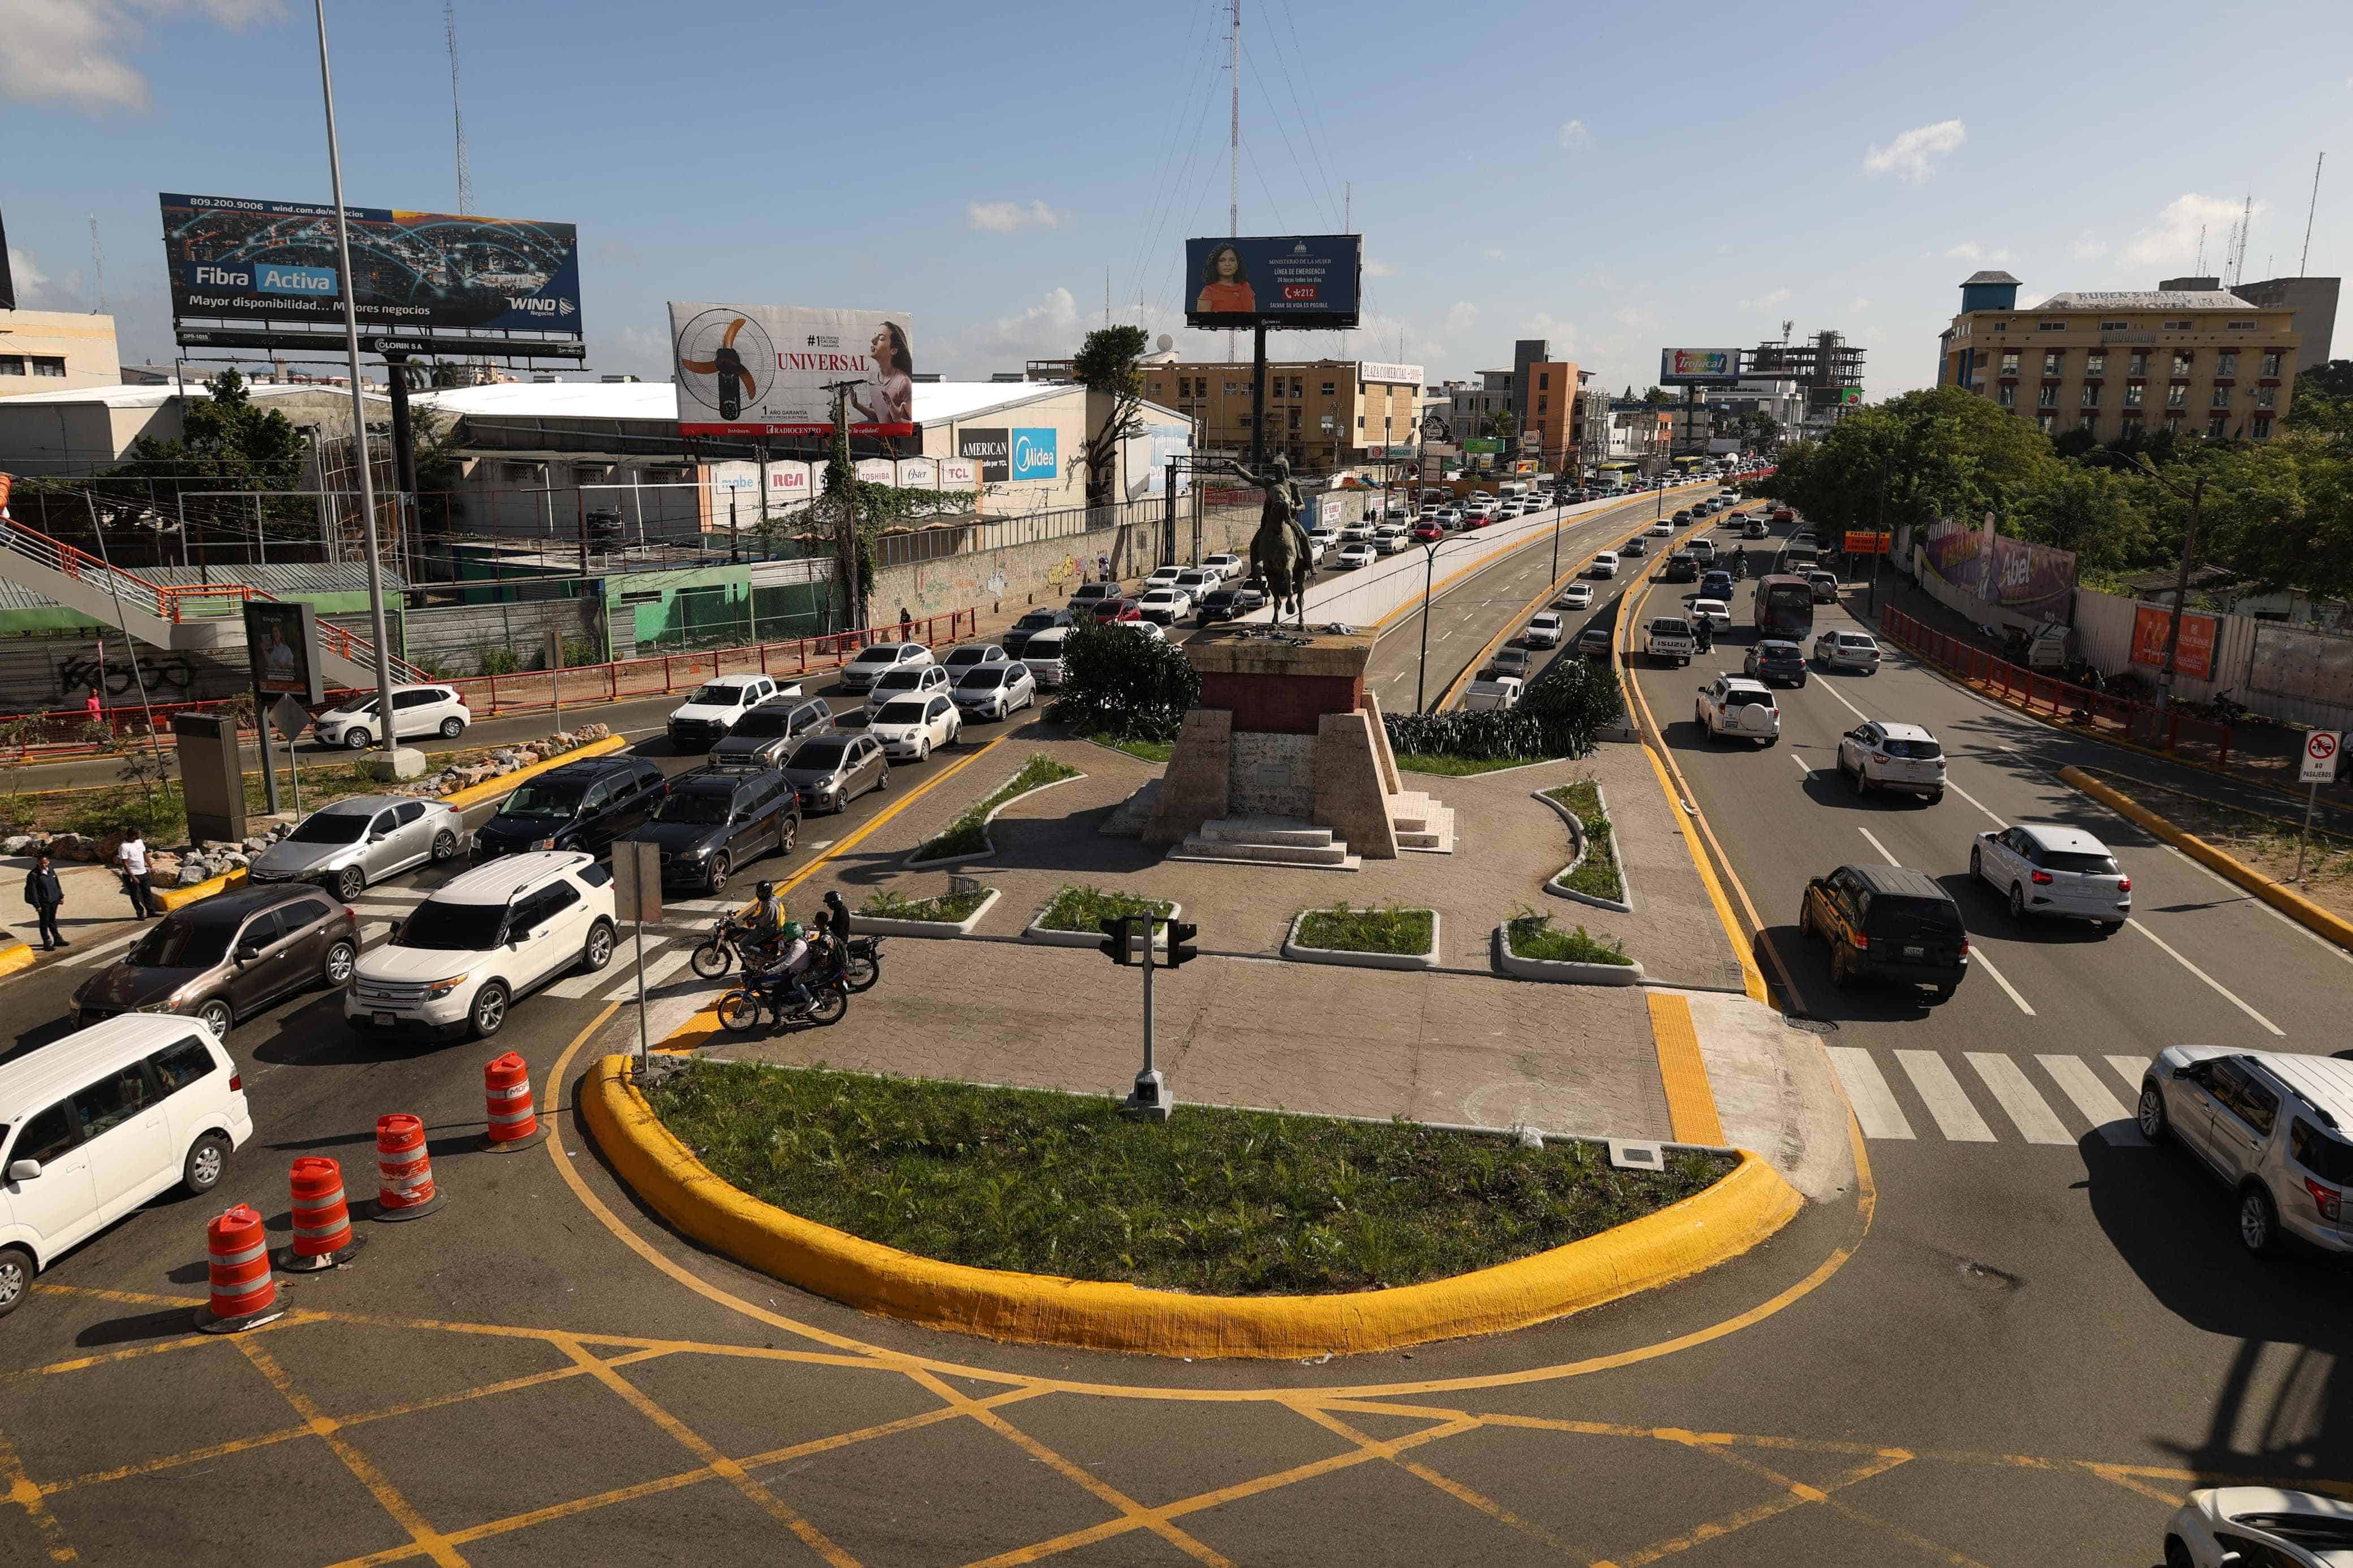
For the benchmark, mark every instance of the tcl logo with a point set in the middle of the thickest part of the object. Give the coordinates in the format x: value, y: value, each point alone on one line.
x: 1299, y: 290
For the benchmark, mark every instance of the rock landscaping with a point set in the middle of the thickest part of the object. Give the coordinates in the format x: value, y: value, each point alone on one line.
x: 505, y: 760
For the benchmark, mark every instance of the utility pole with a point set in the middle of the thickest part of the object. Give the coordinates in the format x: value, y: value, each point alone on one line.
x: 1234, y: 157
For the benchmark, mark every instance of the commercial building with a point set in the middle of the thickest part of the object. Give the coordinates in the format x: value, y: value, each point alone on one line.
x: 2311, y: 303
x: 1321, y: 414
x: 1640, y: 433
x: 82, y: 430
x: 55, y: 350
x: 1551, y: 415
x: 2195, y: 361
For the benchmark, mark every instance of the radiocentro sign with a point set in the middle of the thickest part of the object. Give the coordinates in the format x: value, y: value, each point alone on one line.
x: 1286, y: 281
x: 243, y: 259
x: 1033, y: 453
x: 1685, y: 366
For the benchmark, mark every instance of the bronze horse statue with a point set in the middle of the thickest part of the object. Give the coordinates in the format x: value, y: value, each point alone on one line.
x: 1280, y: 552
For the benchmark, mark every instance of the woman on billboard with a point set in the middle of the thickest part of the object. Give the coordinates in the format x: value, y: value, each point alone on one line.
x: 1225, y: 287
x: 888, y: 397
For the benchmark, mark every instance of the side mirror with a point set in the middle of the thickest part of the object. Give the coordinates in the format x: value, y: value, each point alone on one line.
x: 246, y: 952
x: 24, y: 1170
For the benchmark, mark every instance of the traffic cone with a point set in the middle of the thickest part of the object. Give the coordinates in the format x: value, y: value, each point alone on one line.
x: 405, y: 1188
x: 506, y: 1092
x: 323, y: 1221
x: 238, y: 1256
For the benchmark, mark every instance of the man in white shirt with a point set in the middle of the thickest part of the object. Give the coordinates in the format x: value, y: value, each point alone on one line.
x: 132, y: 860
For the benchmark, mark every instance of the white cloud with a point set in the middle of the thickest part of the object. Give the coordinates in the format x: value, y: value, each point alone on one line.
x: 1767, y: 301
x: 1492, y: 253
x: 1911, y: 157
x: 1971, y: 250
x: 1633, y: 316
x: 1461, y: 317
x: 1858, y: 305
x: 1575, y: 137
x: 2088, y: 248
x: 1379, y: 269
x: 2172, y: 241
x: 71, y: 50
x: 26, y: 271
x: 1004, y: 217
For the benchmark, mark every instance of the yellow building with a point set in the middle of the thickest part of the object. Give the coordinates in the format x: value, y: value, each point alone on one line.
x: 57, y: 351
x: 2196, y: 362
x: 1320, y: 413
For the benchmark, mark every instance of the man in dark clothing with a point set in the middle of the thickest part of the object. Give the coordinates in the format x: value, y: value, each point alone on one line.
x: 46, y: 894
x: 837, y: 920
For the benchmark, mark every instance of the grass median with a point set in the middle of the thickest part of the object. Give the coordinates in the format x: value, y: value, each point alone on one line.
x: 1597, y: 874
x: 1213, y: 1200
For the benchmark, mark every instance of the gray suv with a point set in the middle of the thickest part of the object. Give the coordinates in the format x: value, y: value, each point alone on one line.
x: 2272, y: 1126
x: 766, y: 735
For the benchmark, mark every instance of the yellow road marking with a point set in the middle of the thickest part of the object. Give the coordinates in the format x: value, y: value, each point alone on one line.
x: 1691, y: 1103
x: 857, y: 837
x: 27, y: 1496
x: 387, y: 1496
x: 1447, y: 1484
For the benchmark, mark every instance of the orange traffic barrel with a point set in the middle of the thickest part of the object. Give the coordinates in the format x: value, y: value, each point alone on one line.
x: 323, y: 1220
x: 506, y: 1094
x: 243, y: 1293
x: 405, y: 1188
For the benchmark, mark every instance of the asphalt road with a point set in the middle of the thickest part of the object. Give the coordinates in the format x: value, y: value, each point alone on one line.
x: 2004, y: 1352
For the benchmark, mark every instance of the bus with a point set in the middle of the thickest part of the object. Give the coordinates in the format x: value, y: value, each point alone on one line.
x: 1785, y: 607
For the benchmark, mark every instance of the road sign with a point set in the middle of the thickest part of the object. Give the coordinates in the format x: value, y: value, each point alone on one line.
x: 2321, y: 749
x: 1862, y: 543
x: 637, y: 882
x: 290, y: 719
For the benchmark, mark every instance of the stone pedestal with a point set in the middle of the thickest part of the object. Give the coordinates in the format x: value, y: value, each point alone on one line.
x: 1285, y: 737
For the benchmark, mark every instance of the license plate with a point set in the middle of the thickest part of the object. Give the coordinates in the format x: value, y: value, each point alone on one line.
x: 1915, y: 952
x: 386, y: 1020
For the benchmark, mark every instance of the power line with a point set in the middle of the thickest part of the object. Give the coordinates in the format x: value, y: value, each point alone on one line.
x: 1259, y: 78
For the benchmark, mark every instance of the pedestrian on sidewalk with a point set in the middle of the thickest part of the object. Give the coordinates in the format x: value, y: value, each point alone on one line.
x: 94, y: 707
x: 44, y: 893
x: 131, y: 860
x: 1103, y: 567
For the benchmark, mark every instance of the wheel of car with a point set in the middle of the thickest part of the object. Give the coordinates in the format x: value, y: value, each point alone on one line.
x: 1805, y: 917
x: 16, y: 1278
x: 1801, y: 681
x: 1936, y: 798
x: 2177, y: 1553
x: 1861, y: 784
x: 2151, y: 1113
x: 217, y: 1017
x: 356, y: 739
x: 884, y: 780
x: 445, y: 846
x: 598, y: 952
x: 490, y: 1010
x: 788, y: 838
x: 2109, y: 928
x: 452, y: 727
x: 201, y: 1171
x: 1944, y: 993
x: 923, y: 752
x: 337, y: 969
x: 2258, y: 1221
x: 350, y: 883
x: 2017, y: 903
x: 1977, y: 867
x: 715, y: 876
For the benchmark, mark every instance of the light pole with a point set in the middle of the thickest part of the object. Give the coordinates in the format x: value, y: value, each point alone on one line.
x: 1429, y: 570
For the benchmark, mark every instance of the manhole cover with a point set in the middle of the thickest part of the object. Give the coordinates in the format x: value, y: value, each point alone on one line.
x: 1810, y: 1025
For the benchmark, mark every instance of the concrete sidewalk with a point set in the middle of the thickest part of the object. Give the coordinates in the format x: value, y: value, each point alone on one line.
x: 95, y: 905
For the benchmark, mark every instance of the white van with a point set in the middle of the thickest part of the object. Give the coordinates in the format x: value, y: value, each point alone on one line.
x: 94, y: 1125
x: 1605, y: 564
x: 1513, y: 489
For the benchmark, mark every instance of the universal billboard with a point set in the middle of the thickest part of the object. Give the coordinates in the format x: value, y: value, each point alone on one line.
x: 764, y: 371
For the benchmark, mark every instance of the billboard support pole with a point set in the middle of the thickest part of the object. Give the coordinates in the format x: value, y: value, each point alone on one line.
x: 1168, y: 514
x: 1258, y: 395
x: 403, y: 433
x: 359, y: 402
x: 268, y: 751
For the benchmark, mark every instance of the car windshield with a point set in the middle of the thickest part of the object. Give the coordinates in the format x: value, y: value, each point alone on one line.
x: 181, y: 944
x: 331, y: 827
x: 700, y: 807
x: 818, y: 756
x: 716, y: 693
x: 543, y: 798
x: 451, y: 927
x: 761, y: 724
x: 1036, y: 620
x: 908, y: 710
x: 1919, y: 750
x: 900, y: 680
x: 2081, y: 861
x: 877, y: 656
x: 987, y: 675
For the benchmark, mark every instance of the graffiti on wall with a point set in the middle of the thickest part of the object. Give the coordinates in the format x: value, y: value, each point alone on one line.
x: 169, y: 677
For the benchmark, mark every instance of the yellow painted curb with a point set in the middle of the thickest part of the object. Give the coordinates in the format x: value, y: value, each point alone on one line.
x: 179, y: 897
x: 1728, y: 1219
x: 490, y: 789
x: 14, y: 957
x: 2280, y: 896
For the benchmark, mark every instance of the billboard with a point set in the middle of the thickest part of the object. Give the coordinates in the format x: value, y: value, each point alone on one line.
x: 991, y: 447
x: 1833, y: 398
x: 2193, y: 656
x: 2032, y: 579
x: 245, y: 260
x: 762, y: 369
x: 1033, y: 455
x: 281, y: 645
x: 1682, y: 367
x: 1280, y: 280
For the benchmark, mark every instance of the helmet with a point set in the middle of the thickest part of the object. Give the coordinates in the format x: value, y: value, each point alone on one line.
x: 793, y: 932
x: 766, y: 890
x: 833, y: 899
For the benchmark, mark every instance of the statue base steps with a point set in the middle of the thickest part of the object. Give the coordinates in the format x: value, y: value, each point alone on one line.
x: 1268, y: 841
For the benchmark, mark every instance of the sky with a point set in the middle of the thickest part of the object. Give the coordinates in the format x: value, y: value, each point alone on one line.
x: 1614, y: 178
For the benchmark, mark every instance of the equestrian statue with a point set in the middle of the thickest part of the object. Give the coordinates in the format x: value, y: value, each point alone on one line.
x: 1280, y: 552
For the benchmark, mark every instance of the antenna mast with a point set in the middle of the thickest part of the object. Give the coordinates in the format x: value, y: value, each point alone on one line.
x: 2202, y: 250
x: 456, y: 114
x: 2314, y: 207
x: 96, y: 266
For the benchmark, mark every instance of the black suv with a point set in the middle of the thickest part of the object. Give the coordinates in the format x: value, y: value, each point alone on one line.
x: 712, y: 822
x: 764, y: 736
x: 1887, y: 922
x: 1681, y: 567
x: 1017, y: 637
x: 1777, y: 662
x: 1228, y: 604
x: 584, y: 806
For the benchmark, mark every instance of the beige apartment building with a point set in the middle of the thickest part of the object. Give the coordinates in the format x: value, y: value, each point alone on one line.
x: 2196, y: 362
x: 57, y: 351
x: 1320, y: 413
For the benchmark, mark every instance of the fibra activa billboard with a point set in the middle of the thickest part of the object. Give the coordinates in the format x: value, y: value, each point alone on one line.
x: 1280, y: 280
x: 765, y: 370
x: 1033, y: 453
x: 245, y: 259
x: 1687, y: 365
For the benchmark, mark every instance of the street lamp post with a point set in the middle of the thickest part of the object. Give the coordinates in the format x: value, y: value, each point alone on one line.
x: 1429, y: 570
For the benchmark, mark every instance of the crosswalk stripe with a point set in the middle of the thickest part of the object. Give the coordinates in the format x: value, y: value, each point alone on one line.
x: 389, y: 897
x: 2130, y: 1069
x: 658, y: 968
x: 2104, y: 1111
x: 1956, y: 1119
x: 1876, y: 1108
x: 578, y: 986
x: 2037, y: 1122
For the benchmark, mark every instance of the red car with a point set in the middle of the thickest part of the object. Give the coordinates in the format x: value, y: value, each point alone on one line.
x: 1428, y: 533
x: 1115, y: 610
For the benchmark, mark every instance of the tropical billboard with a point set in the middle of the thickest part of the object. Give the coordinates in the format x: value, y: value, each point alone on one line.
x: 1684, y: 367
x: 1280, y: 280
x: 245, y: 259
x: 764, y: 371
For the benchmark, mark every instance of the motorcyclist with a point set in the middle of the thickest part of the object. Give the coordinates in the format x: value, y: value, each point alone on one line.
x: 792, y: 960
x: 1704, y: 633
x: 763, y: 924
x: 837, y: 920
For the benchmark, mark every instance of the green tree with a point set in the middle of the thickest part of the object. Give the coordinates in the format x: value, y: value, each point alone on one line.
x: 1499, y: 424
x: 1758, y: 431
x: 1107, y: 366
x: 848, y: 515
x: 1658, y: 396
x: 1129, y: 686
x: 2323, y: 403
x: 1930, y: 454
x: 227, y: 442
x: 2094, y: 511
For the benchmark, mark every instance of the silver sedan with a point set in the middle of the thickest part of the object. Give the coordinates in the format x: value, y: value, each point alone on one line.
x: 348, y: 843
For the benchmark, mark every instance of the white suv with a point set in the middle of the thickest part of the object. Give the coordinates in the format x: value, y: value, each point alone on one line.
x: 2272, y: 1126
x: 419, y: 710
x: 861, y: 673
x: 1736, y: 706
x: 703, y: 720
x: 482, y: 939
x: 1880, y: 755
x: 2047, y: 869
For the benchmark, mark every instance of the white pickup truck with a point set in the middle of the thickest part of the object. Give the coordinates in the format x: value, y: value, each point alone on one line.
x: 1669, y: 637
x: 1501, y: 693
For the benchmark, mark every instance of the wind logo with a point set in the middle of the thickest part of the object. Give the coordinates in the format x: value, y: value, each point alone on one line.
x: 1034, y: 456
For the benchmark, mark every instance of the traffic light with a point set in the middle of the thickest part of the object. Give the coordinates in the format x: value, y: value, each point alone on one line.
x: 1115, y: 944
x: 1179, y: 935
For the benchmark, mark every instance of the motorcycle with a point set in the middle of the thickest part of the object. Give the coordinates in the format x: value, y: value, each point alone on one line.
x: 862, y: 969
x: 2229, y: 709
x: 828, y: 1001
x: 727, y: 945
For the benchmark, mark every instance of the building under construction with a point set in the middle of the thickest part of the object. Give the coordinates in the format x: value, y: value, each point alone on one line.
x: 1825, y: 364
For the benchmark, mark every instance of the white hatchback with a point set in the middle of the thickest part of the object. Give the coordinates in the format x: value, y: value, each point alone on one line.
x: 482, y: 939
x: 912, y: 728
x: 416, y: 710
x: 1714, y: 612
x: 2046, y: 870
